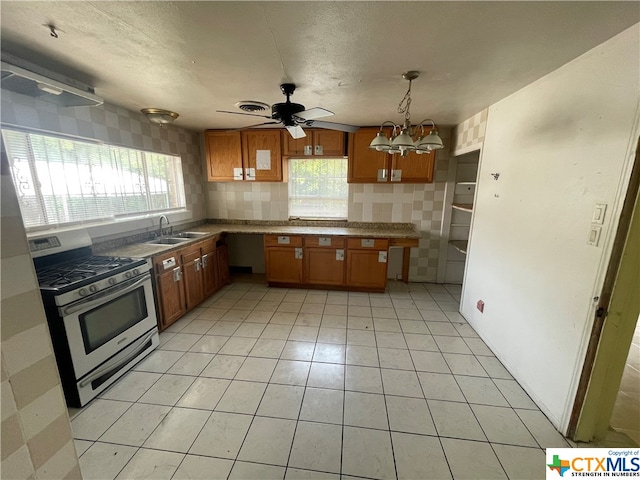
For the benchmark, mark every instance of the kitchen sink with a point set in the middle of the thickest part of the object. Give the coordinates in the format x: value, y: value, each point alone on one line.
x: 189, y: 234
x: 167, y: 241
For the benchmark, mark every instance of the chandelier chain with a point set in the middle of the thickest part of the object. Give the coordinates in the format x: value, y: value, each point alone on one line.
x: 406, y: 100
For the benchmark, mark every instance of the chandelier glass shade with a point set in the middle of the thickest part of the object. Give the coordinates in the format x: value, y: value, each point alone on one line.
x: 406, y: 138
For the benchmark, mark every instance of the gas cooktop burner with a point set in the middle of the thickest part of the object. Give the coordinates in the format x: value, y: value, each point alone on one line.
x: 76, y: 271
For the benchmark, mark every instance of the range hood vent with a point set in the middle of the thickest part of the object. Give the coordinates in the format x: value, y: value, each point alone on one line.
x: 47, y: 86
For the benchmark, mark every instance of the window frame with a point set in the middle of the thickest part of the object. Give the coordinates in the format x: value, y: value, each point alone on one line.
x: 174, y: 163
x: 291, y: 194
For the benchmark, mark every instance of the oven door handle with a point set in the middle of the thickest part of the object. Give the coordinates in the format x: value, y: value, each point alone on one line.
x: 105, y: 296
x: 138, y: 346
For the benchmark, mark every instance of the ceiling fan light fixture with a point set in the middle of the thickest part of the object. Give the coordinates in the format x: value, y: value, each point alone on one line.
x: 159, y: 115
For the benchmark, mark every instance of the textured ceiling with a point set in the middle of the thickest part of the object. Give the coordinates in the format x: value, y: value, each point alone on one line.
x: 198, y: 57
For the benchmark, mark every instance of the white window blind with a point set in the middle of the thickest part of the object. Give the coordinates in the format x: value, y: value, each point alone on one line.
x: 318, y: 188
x: 60, y: 181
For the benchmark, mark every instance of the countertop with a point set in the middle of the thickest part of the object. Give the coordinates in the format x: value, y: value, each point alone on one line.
x: 146, y: 250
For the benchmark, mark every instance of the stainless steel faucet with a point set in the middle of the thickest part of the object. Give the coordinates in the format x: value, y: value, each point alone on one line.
x: 162, y: 217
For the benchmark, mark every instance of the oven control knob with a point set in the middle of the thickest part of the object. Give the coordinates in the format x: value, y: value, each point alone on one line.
x: 112, y: 281
x: 83, y: 292
x: 136, y: 271
x: 93, y: 288
x: 127, y: 274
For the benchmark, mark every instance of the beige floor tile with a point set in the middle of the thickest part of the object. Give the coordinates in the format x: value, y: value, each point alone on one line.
x: 317, y: 446
x: 419, y: 457
x: 178, y: 430
x: 281, y: 401
x: 410, y: 415
x: 322, y: 405
x: 367, y: 453
x: 151, y: 464
x: 204, y: 393
x: 262, y: 446
x: 203, y: 468
x: 222, y: 435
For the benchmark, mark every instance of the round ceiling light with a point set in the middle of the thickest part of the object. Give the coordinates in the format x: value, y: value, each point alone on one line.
x: 160, y: 116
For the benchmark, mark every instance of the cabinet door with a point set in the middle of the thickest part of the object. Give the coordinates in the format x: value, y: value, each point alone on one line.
x: 170, y: 291
x: 192, y: 267
x: 366, y: 165
x: 210, y: 282
x: 222, y: 253
x: 331, y: 141
x: 324, y: 266
x: 294, y: 147
x: 365, y: 268
x: 413, y: 168
x: 224, y: 154
x: 261, y: 155
x: 282, y: 266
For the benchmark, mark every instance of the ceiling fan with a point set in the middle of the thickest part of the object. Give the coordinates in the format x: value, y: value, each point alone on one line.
x: 294, y: 115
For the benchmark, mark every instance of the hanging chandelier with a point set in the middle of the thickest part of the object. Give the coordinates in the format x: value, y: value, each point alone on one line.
x: 406, y: 138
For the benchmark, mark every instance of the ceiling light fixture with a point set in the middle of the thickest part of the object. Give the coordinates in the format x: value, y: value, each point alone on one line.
x: 160, y: 116
x: 402, y: 136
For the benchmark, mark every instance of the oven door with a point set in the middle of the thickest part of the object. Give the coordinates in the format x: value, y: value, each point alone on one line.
x: 100, y: 326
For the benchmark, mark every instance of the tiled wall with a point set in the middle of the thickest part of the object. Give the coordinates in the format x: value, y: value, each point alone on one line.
x: 248, y: 200
x: 117, y: 126
x: 469, y: 135
x: 36, y: 435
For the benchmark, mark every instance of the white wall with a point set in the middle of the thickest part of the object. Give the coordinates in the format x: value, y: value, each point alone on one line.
x: 560, y: 145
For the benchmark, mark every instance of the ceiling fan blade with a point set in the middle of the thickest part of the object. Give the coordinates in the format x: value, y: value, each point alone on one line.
x: 296, y: 131
x: 316, y: 112
x: 241, y: 113
x: 343, y: 127
x: 252, y: 126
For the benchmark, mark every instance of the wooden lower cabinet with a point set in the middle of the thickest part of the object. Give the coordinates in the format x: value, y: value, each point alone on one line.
x: 193, y: 276
x: 283, y: 264
x: 335, y: 262
x: 367, y: 263
x: 209, y: 260
x: 186, y: 277
x: 364, y: 269
x: 324, y: 266
x: 170, y: 296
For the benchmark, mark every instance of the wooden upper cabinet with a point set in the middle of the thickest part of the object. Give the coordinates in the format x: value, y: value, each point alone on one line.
x: 330, y: 141
x: 366, y: 165
x: 224, y: 154
x: 413, y: 168
x: 262, y: 155
x: 293, y: 147
x: 319, y: 143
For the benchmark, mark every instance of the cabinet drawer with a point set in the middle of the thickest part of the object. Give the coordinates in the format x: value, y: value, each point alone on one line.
x: 368, y: 243
x: 282, y: 241
x: 325, y: 242
x: 208, y: 245
x: 167, y: 261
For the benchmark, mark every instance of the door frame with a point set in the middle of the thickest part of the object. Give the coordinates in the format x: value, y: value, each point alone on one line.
x: 615, y: 318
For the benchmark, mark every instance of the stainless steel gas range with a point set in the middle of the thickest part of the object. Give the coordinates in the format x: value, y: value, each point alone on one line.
x: 100, y: 310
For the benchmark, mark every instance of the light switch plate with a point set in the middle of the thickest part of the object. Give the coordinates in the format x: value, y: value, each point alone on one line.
x: 598, y: 213
x: 340, y: 255
x: 396, y: 175
x: 594, y: 235
x: 382, y: 257
x: 284, y: 240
